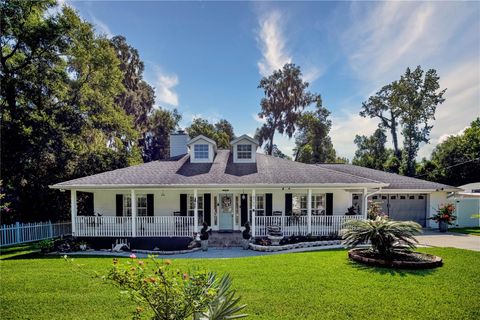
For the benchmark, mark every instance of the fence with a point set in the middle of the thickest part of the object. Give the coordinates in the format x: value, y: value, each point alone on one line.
x: 27, y: 232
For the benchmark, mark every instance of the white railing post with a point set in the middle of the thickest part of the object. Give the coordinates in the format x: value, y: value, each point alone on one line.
x: 364, y: 203
x: 254, y: 205
x: 309, y: 211
x: 134, y: 213
x: 73, y: 208
x: 195, y: 211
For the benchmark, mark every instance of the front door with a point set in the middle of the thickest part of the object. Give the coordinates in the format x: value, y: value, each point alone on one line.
x: 226, y: 211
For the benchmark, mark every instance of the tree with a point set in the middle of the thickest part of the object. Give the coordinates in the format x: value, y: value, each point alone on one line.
x: 276, y: 152
x: 371, y: 151
x: 138, y: 97
x: 384, y: 105
x: 221, y: 132
x: 286, y: 96
x: 408, y: 103
x: 313, y: 144
x: 419, y: 95
x: 455, y: 161
x: 157, y: 139
x: 58, y: 112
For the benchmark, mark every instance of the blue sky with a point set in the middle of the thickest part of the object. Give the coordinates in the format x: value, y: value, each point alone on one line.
x: 206, y: 58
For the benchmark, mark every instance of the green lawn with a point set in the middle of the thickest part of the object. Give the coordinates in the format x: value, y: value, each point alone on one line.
x: 475, y: 231
x: 314, y: 285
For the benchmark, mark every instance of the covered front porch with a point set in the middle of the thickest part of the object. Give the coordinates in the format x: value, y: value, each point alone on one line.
x: 148, y: 212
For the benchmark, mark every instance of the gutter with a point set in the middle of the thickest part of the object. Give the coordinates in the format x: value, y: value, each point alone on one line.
x: 365, y: 201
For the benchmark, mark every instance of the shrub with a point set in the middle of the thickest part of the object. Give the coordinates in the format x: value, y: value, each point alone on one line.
x: 46, y: 245
x: 168, y: 293
x: 385, y: 235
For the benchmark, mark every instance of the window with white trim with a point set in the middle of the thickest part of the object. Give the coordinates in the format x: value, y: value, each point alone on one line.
x: 200, y: 151
x: 259, y: 204
x: 141, y: 205
x: 300, y: 204
x: 244, y: 151
x: 191, y: 207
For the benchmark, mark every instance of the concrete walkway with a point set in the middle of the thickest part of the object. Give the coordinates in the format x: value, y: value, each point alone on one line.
x: 433, y: 238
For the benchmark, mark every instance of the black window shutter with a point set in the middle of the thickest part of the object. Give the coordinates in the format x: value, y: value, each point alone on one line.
x: 119, y: 205
x: 288, y: 204
x: 89, y: 207
x: 329, y: 204
x: 268, y: 204
x: 183, y: 204
x: 207, y: 208
x: 243, y: 209
x: 150, y: 204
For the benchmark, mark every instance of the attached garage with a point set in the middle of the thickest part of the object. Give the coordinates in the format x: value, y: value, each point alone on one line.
x: 404, y: 207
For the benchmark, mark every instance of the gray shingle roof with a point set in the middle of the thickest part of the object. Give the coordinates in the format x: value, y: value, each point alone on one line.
x: 180, y: 171
x: 395, y: 181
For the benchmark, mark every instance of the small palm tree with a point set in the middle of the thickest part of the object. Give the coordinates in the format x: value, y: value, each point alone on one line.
x: 385, y: 235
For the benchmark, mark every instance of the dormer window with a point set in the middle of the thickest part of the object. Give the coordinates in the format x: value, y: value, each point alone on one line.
x: 201, y: 151
x: 244, y: 151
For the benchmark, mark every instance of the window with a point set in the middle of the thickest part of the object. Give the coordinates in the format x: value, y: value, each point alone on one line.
x: 259, y: 204
x: 200, y: 151
x: 141, y: 205
x: 191, y: 207
x: 244, y: 151
x: 300, y: 201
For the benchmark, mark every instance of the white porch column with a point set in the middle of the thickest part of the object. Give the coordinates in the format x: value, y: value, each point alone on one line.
x: 134, y: 213
x: 254, y: 205
x: 73, y: 209
x: 309, y: 211
x: 195, y: 211
x: 364, y: 203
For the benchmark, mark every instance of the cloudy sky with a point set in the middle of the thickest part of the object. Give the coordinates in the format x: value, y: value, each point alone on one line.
x: 206, y: 58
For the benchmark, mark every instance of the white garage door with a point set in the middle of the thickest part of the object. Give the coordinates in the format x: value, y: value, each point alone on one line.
x: 404, y: 207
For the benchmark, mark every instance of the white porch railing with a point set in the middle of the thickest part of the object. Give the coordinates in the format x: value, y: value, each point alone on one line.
x: 89, y: 226
x: 28, y: 232
x: 164, y: 226
x: 112, y: 226
x: 320, y: 225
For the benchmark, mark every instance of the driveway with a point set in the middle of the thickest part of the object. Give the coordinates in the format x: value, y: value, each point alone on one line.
x: 432, y: 238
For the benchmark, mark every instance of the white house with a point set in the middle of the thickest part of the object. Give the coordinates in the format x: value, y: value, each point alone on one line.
x: 227, y: 188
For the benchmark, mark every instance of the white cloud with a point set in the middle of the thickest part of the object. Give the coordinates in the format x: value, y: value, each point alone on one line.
x: 257, y: 118
x: 101, y: 27
x: 272, y: 44
x: 344, y: 129
x: 164, y: 88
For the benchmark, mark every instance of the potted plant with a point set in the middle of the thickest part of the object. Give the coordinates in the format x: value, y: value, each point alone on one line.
x: 444, y: 216
x: 246, y: 234
x: 351, y: 211
x: 83, y: 245
x: 204, y: 236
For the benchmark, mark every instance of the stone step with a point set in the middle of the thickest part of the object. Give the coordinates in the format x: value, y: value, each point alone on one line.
x: 225, y: 239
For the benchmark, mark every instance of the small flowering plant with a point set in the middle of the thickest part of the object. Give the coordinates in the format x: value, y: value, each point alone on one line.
x: 445, y: 213
x: 163, y: 291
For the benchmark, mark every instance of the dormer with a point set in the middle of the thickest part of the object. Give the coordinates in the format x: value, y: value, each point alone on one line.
x: 202, y: 149
x: 244, y: 149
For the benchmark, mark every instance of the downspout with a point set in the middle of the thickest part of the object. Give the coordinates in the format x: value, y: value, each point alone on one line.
x: 365, y: 200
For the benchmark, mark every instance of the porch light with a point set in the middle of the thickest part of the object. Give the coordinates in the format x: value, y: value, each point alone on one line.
x: 243, y: 196
x: 162, y: 194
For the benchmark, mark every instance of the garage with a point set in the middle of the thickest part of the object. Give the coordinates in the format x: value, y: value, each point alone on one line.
x: 404, y: 207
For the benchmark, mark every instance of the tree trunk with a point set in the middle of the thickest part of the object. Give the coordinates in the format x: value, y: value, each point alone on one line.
x: 393, y: 130
x: 270, y: 146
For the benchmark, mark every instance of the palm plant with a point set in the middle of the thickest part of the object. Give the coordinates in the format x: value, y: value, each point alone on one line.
x: 385, y: 235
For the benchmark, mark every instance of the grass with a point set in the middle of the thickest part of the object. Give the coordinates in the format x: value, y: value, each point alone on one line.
x: 313, y: 285
x: 475, y: 231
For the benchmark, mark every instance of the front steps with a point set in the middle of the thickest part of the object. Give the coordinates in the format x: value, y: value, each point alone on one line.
x: 225, y: 239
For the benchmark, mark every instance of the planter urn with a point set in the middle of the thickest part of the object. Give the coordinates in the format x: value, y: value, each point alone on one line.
x: 245, y: 243
x: 204, y: 245
x: 443, y: 226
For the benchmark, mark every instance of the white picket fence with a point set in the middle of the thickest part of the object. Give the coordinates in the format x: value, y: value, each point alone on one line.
x: 298, y: 225
x: 27, y: 232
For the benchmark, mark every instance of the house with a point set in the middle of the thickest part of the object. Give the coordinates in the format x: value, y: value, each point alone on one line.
x: 227, y: 188
x: 467, y: 205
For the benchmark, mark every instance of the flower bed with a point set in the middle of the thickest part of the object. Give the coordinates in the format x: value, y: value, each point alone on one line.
x: 166, y: 252
x: 263, y: 248
x: 404, y: 260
